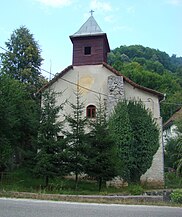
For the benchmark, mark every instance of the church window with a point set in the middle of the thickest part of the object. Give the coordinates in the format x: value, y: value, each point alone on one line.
x: 87, y: 50
x: 91, y: 111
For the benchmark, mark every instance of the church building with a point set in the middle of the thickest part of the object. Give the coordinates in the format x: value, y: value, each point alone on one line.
x: 89, y: 69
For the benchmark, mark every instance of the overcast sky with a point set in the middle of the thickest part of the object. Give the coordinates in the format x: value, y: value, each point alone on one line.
x: 151, y: 23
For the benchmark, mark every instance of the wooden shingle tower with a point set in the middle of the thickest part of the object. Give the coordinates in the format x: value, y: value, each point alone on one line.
x: 90, y: 44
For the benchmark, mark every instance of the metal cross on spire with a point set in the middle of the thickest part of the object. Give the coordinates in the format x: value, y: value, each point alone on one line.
x: 91, y: 12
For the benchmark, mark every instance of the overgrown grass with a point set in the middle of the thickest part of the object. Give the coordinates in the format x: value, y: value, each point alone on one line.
x: 172, y: 181
x: 22, y: 180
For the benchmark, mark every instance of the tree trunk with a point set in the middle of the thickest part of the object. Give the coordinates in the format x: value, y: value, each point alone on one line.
x: 46, y: 181
x: 76, y: 181
x: 100, y: 184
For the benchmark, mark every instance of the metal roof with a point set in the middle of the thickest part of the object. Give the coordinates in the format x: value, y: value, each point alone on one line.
x: 90, y: 27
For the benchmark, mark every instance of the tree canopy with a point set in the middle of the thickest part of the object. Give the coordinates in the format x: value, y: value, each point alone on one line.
x: 102, y: 158
x: 23, y: 59
x: 20, y: 78
x: 173, y: 150
x: 76, y: 136
x: 49, y: 148
x: 137, y: 137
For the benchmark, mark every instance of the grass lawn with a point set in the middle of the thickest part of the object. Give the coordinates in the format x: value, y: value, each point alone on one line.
x: 23, y: 181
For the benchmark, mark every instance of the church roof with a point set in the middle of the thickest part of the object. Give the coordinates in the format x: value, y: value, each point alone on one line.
x: 90, y: 27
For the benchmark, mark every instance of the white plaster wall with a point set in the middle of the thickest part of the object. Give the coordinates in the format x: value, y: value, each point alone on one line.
x: 93, y: 77
x: 150, y: 100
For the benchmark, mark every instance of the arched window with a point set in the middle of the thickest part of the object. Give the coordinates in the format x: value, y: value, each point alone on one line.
x: 91, y: 111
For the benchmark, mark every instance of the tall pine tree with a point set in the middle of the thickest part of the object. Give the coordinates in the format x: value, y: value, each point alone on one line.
x: 76, y: 137
x: 21, y: 63
x: 102, y: 156
x: 23, y: 59
x: 48, y: 158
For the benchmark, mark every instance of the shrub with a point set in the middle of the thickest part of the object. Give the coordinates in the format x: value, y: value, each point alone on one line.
x: 176, y: 196
x: 172, y: 181
x: 135, y: 189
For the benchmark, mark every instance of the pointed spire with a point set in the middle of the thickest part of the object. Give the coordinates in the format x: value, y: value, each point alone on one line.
x: 90, y: 27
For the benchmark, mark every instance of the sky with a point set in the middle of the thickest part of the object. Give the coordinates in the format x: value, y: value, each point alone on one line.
x: 152, y: 23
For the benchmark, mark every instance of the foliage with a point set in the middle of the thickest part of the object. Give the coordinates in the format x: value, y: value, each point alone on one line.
x: 48, y: 157
x: 172, y: 180
x: 18, y: 117
x: 173, y: 150
x: 5, y: 153
x: 153, y: 69
x: 176, y: 196
x: 146, y: 139
x: 22, y: 61
x: 102, y: 156
x: 76, y: 137
x: 121, y: 131
x: 137, y: 137
x: 135, y: 189
x: 170, y: 153
x: 20, y: 79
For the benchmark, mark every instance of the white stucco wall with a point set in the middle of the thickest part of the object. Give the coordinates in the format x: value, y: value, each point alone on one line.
x: 91, y: 77
x: 150, y: 100
x: 94, y: 77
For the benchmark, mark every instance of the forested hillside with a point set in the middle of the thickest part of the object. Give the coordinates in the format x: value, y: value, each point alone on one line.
x: 153, y: 69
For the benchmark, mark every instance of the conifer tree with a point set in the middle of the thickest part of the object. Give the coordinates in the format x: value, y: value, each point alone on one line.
x: 23, y: 59
x: 102, y: 156
x: 137, y: 137
x: 21, y: 63
x: 48, y: 158
x: 146, y: 139
x: 76, y: 137
x: 18, y: 118
x: 121, y: 131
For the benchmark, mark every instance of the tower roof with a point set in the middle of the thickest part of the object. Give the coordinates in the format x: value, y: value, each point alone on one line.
x: 89, y: 28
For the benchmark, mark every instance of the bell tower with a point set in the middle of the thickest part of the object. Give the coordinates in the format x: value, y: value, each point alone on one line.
x: 90, y: 44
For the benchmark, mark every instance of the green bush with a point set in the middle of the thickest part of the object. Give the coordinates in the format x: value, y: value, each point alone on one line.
x: 176, y: 196
x: 135, y: 189
x: 172, y: 181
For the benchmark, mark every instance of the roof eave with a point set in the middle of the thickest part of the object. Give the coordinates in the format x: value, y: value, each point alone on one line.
x: 59, y: 75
